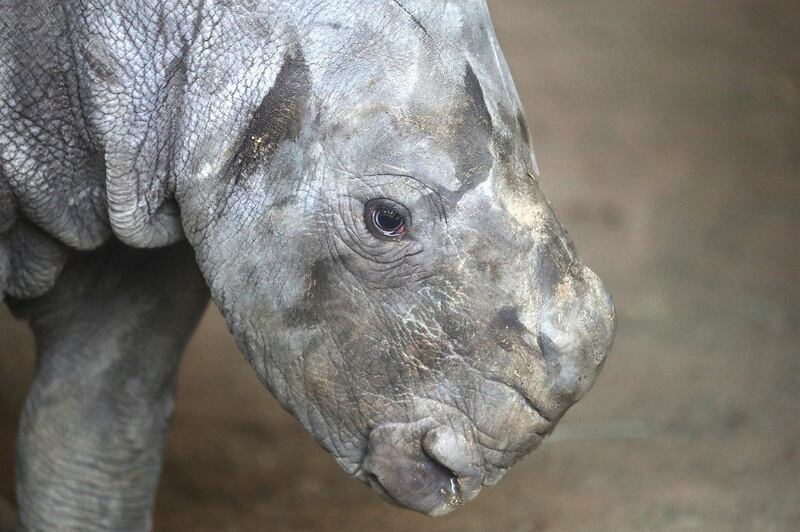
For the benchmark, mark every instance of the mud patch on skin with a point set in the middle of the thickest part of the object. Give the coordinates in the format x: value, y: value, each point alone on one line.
x: 493, y: 269
x: 477, y: 99
x: 528, y: 214
x: 472, y: 137
x: 508, y: 330
x: 278, y: 117
x: 565, y: 291
x: 317, y: 292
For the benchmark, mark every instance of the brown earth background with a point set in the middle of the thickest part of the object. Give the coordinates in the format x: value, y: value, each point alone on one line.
x: 668, y: 134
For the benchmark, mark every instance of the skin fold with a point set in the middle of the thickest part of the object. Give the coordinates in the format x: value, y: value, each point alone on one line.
x: 153, y: 152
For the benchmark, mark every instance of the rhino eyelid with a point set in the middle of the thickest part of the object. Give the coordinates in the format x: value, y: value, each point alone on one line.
x: 434, y: 197
x: 438, y: 197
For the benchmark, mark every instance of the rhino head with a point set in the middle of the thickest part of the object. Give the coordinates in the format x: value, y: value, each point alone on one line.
x: 365, y: 206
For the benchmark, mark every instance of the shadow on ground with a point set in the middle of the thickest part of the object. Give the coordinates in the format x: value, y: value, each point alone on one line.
x: 667, y: 134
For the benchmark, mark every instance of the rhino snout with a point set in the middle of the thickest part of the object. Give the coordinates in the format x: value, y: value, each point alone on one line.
x: 577, y: 330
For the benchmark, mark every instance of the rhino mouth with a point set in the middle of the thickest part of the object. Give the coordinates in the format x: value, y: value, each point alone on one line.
x: 439, y: 496
x: 532, y: 406
x: 432, y: 468
x: 421, y: 468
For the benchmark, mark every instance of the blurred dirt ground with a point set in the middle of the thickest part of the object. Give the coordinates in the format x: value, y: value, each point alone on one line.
x: 668, y: 134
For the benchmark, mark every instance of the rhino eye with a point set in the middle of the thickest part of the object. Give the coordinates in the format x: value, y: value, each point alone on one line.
x: 386, y: 219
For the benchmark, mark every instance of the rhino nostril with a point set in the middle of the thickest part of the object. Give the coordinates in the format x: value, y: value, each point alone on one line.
x: 566, y: 376
x: 576, y: 332
x: 550, y: 353
x: 453, y: 451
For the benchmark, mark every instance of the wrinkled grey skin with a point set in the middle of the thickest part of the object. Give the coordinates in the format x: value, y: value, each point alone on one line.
x: 256, y: 131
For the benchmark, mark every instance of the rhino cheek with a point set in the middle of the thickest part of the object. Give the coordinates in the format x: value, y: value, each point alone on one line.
x: 325, y: 407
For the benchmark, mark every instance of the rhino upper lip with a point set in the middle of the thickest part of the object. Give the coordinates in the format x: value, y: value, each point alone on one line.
x: 541, y: 433
x: 531, y: 405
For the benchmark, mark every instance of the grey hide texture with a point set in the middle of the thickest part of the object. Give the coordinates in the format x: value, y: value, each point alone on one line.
x: 248, y: 146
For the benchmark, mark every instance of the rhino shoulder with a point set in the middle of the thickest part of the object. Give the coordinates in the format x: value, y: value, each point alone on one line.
x: 49, y: 162
x: 85, y: 144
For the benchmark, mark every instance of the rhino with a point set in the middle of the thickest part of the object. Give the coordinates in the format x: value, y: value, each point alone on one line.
x: 352, y: 183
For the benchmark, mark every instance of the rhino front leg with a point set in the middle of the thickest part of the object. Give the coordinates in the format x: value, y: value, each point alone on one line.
x: 109, y: 338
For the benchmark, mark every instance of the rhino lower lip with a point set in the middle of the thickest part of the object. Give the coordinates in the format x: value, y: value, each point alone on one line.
x: 375, y: 483
x: 452, y: 492
x: 452, y: 496
x: 421, y: 467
